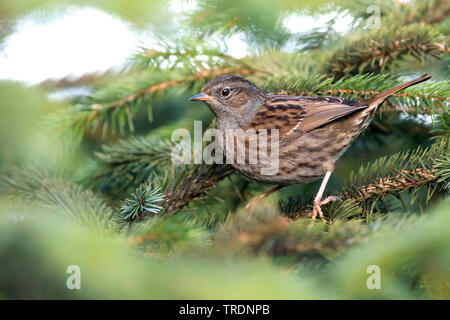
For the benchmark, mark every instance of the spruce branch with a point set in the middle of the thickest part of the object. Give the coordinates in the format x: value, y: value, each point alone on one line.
x: 63, y: 197
x: 442, y: 168
x: 431, y: 97
x: 381, y: 50
x: 192, y: 183
x: 163, y: 232
x: 113, y: 108
x: 186, y: 184
x: 273, y: 63
x: 258, y: 22
x: 187, y: 53
x: 264, y: 230
x: 419, y: 161
x: 416, y: 11
x: 389, y: 176
x: 143, y: 201
x: 405, y: 180
x: 200, y: 75
x: 129, y: 163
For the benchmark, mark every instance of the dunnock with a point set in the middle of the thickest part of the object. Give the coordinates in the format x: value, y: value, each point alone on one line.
x: 313, y: 132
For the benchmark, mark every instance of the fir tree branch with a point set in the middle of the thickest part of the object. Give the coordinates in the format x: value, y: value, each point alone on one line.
x: 166, y: 232
x: 165, y: 196
x: 416, y: 11
x: 405, y: 180
x: 113, y: 107
x: 430, y: 97
x: 442, y: 169
x: 201, y: 75
x: 145, y: 200
x: 382, y: 49
x: 188, y: 53
x: 63, y: 197
x: 192, y: 183
x: 264, y: 231
x: 389, y: 176
x: 129, y: 163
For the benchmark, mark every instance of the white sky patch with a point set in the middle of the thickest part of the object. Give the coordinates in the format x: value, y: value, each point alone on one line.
x: 236, y: 47
x: 81, y: 40
x: 68, y: 93
x: 424, y: 119
x: 182, y: 6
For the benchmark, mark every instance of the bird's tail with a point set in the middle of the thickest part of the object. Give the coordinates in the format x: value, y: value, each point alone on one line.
x: 379, y: 98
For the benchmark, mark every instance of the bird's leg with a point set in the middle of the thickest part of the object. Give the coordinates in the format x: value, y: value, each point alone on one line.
x: 317, y: 200
x: 265, y: 194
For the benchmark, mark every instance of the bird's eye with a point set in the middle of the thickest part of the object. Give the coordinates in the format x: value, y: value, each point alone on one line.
x: 225, y: 92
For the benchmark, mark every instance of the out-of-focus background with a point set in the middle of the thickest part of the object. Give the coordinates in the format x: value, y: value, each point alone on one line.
x: 91, y: 91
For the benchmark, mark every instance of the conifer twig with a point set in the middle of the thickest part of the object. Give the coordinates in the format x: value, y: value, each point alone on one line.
x: 196, y: 181
x: 202, y: 74
x: 388, y: 175
x: 382, y: 49
x: 408, y: 179
x: 405, y: 180
x: 429, y: 98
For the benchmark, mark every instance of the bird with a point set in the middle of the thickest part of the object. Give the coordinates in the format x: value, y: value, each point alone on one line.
x: 313, y: 132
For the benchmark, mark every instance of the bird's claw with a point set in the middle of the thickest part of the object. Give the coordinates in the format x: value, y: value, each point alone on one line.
x: 318, y: 210
x: 330, y: 199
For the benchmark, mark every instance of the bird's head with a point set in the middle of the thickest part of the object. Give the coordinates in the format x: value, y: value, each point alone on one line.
x: 231, y: 98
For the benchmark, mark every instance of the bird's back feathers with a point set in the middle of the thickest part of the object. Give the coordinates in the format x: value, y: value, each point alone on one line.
x: 294, y: 116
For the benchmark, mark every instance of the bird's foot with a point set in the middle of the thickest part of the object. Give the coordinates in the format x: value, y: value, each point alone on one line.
x: 329, y: 199
x: 318, y: 210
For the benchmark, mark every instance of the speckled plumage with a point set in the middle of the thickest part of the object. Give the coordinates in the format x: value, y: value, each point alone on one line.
x: 313, y: 131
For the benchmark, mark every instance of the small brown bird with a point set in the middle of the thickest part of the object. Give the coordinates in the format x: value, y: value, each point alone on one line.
x: 313, y: 131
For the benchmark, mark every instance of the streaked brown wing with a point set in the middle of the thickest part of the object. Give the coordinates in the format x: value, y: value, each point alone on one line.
x: 294, y: 116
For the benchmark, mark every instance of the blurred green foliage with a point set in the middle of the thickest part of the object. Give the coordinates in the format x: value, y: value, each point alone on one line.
x: 138, y: 11
x: 25, y: 139
x: 37, y: 247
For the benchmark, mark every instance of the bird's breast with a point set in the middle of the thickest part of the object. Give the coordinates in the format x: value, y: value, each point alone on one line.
x: 305, y: 158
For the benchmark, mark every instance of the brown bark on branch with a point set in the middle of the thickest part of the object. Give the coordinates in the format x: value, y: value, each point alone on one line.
x: 388, y: 185
x: 203, y: 74
x: 384, y: 186
x: 192, y: 186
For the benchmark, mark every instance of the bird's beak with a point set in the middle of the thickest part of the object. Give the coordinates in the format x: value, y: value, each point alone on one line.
x: 200, y: 97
